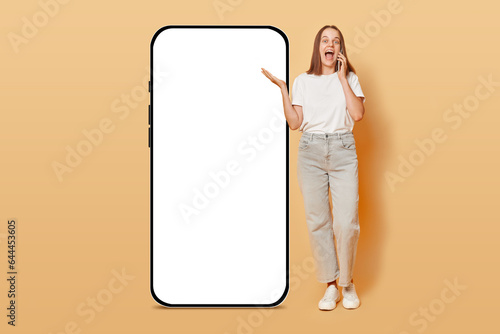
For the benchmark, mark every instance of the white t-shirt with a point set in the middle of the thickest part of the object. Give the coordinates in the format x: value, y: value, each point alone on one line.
x: 323, y: 102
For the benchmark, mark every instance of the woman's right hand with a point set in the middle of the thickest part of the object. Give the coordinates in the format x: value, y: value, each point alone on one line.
x: 278, y: 82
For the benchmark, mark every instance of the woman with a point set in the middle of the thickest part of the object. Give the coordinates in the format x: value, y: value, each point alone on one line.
x: 326, y: 101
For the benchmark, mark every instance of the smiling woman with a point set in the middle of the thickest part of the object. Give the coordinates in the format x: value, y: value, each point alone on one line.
x: 331, y: 40
x: 326, y: 102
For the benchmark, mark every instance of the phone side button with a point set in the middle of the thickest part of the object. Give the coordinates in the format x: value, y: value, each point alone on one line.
x: 149, y: 86
x: 149, y: 114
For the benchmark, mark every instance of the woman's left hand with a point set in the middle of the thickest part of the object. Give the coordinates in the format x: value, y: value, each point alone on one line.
x: 342, y: 69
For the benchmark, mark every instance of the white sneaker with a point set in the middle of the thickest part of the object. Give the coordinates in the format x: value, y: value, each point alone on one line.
x: 350, y: 298
x: 330, y: 299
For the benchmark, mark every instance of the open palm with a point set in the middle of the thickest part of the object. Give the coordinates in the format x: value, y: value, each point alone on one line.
x: 280, y: 83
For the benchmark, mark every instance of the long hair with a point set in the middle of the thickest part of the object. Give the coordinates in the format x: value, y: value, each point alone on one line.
x: 316, y: 67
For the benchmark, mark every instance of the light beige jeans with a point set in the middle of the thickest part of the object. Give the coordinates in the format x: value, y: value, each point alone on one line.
x: 329, y: 161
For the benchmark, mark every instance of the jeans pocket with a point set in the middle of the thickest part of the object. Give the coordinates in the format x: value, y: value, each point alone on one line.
x: 348, y: 142
x: 303, y: 143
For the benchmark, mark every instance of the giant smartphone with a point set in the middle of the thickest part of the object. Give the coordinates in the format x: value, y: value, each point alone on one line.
x: 219, y: 167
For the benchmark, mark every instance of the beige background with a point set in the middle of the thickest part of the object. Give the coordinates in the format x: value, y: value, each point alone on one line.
x: 441, y: 224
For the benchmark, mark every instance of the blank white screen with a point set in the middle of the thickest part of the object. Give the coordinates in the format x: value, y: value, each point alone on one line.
x: 215, y: 113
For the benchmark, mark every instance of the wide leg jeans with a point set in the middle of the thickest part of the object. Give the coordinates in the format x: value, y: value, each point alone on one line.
x: 328, y: 161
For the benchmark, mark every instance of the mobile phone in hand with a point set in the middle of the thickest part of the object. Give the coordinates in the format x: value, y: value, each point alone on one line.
x: 338, y: 61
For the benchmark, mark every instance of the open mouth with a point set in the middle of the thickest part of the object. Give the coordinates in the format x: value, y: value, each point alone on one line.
x: 329, y: 55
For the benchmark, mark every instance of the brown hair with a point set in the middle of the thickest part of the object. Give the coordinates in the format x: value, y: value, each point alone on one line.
x: 316, y: 67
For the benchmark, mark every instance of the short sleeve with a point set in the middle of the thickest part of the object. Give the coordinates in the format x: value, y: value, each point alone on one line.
x: 297, y: 92
x: 355, y: 86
